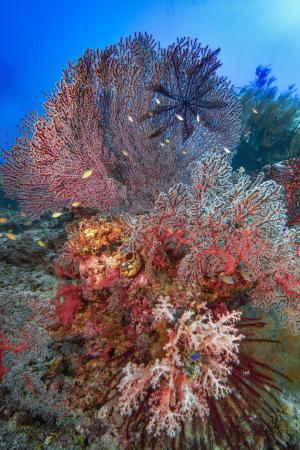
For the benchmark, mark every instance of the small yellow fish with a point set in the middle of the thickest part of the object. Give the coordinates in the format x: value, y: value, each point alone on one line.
x: 179, y: 117
x: 10, y: 236
x: 87, y: 174
x: 56, y: 214
x: 167, y: 141
x: 3, y: 219
x: 75, y: 204
x: 41, y: 243
x: 184, y: 152
x: 246, y: 275
x: 130, y: 118
x: 227, y: 279
x: 157, y: 101
x: 255, y: 111
x: 23, y: 214
x: 27, y: 224
x: 125, y: 153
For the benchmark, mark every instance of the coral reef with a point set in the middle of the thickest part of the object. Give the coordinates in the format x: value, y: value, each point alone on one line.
x: 168, y: 346
x: 147, y: 324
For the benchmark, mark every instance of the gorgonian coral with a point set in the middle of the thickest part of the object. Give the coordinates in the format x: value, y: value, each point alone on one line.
x: 230, y: 235
x: 162, y: 311
x: 94, y: 145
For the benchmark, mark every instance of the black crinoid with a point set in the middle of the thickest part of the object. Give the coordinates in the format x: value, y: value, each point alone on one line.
x: 187, y: 91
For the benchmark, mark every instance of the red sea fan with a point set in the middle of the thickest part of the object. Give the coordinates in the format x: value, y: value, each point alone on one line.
x: 173, y: 357
x: 95, y: 123
x: 47, y: 171
x: 224, y: 233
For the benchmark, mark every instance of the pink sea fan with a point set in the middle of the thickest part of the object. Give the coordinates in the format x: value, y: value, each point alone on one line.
x: 101, y: 118
x: 225, y: 230
x: 196, y: 365
x: 46, y: 171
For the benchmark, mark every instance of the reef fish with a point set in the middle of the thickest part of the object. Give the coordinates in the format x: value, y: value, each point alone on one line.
x: 10, y: 236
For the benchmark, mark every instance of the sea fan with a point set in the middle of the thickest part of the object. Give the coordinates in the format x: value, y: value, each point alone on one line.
x: 101, y: 143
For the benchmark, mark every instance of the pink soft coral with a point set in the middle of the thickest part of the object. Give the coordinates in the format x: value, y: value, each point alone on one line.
x: 196, y: 365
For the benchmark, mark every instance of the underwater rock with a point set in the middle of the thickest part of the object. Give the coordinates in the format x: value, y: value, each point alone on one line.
x: 25, y: 250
